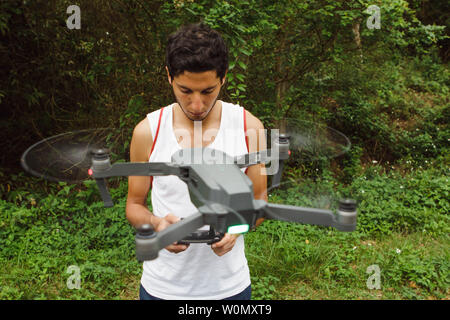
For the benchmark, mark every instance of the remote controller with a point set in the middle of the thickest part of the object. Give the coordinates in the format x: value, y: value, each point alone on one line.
x: 202, y: 236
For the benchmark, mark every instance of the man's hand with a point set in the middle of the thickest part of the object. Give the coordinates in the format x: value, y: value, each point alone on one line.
x: 225, y: 244
x: 163, y: 223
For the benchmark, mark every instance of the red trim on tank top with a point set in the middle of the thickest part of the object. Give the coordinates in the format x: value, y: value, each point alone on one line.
x: 245, y: 133
x: 154, y: 141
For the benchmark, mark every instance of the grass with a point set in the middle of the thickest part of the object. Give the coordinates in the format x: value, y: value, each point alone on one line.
x: 404, y: 231
x: 348, y: 280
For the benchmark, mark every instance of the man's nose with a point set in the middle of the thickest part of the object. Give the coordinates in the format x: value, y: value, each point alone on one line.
x: 197, y: 103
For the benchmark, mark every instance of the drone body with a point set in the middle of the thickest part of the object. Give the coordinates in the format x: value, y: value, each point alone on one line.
x: 222, y: 193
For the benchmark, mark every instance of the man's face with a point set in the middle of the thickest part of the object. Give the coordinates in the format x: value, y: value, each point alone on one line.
x: 196, y: 92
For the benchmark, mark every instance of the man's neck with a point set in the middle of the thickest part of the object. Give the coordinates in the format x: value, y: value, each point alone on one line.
x: 212, y: 120
x: 202, y: 133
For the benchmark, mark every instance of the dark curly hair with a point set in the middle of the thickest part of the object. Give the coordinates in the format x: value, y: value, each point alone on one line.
x: 196, y: 48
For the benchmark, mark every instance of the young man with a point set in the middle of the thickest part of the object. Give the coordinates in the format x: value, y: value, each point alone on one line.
x: 197, y: 63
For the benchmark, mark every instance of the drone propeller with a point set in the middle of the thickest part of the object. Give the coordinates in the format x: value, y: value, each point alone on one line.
x: 67, y: 157
x: 298, y: 141
x: 310, y: 141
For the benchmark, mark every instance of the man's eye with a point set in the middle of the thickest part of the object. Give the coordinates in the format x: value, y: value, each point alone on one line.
x: 189, y: 91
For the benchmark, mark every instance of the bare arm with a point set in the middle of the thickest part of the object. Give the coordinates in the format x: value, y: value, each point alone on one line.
x: 137, y: 211
x: 257, y: 173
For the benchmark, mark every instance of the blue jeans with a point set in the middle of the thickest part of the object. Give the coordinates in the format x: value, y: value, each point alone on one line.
x: 244, y: 295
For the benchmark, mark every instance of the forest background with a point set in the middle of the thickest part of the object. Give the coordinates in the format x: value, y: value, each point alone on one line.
x: 386, y: 88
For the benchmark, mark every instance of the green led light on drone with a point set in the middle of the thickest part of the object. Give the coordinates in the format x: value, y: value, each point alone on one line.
x: 240, y: 228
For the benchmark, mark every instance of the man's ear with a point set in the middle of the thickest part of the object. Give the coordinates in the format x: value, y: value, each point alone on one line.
x: 224, y: 77
x: 168, y: 76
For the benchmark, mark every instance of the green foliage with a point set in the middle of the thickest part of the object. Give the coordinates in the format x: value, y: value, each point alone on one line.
x: 407, y: 265
x: 387, y: 92
x: 403, y: 227
x: 40, y: 240
x: 396, y: 212
x: 415, y: 204
x: 299, y: 59
x: 264, y: 288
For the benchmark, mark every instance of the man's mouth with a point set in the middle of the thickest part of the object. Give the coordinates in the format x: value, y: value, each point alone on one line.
x: 197, y: 114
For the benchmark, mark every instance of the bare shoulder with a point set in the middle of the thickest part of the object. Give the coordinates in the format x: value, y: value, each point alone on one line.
x: 253, y: 122
x: 141, y: 142
x: 142, y: 129
x: 255, y: 133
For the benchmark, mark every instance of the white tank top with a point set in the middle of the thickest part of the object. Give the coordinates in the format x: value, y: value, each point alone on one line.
x: 196, y: 273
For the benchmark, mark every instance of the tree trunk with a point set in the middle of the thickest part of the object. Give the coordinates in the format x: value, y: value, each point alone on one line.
x: 357, y: 37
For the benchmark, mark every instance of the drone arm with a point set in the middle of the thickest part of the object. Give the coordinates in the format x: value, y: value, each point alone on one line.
x: 106, y: 197
x: 102, y: 169
x: 138, y: 169
x: 345, y: 221
x: 249, y: 159
x: 179, y: 230
x: 147, y: 247
x: 276, y: 180
x: 299, y: 214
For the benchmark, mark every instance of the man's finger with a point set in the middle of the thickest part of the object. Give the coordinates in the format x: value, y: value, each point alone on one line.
x: 171, y: 218
x: 227, y: 241
x: 162, y: 225
x: 177, y: 248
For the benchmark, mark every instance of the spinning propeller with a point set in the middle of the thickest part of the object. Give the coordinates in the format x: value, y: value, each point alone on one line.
x: 307, y: 142
x: 68, y: 156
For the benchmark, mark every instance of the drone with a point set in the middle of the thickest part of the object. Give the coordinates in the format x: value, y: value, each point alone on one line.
x: 219, y: 189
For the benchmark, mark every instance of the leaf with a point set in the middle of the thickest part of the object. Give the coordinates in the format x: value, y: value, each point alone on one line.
x: 240, y: 77
x: 246, y: 52
x: 242, y: 65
